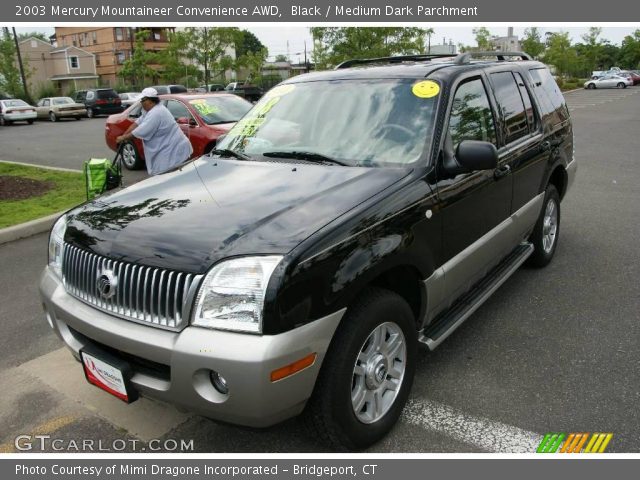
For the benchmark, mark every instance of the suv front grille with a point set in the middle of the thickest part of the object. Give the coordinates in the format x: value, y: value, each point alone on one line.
x: 148, y: 295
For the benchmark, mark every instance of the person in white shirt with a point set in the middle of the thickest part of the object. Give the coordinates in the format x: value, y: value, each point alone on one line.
x: 165, y: 145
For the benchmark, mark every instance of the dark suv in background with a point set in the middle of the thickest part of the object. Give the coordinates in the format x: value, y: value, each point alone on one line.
x: 100, y: 101
x: 348, y: 217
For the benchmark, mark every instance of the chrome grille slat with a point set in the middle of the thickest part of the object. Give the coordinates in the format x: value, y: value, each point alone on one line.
x: 147, y: 295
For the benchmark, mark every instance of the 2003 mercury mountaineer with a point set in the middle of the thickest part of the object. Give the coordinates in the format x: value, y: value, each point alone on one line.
x: 348, y: 217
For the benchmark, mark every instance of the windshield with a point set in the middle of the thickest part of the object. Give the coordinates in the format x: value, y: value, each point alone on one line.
x: 220, y: 109
x: 358, y: 122
x: 62, y: 101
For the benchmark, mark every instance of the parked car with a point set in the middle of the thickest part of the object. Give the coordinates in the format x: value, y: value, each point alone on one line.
x: 129, y: 98
x: 202, y: 118
x: 350, y: 216
x: 168, y: 89
x: 16, y: 110
x: 55, y: 108
x: 251, y: 92
x: 212, y: 87
x: 635, y: 76
x: 100, y: 101
x: 609, y: 81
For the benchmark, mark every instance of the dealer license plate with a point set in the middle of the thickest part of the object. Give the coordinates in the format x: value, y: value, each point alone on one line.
x: 108, y: 373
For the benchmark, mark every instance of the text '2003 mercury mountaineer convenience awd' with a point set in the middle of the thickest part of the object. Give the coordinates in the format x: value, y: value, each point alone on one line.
x: 348, y: 217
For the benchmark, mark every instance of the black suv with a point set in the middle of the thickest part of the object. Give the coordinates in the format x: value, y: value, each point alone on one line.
x: 100, y: 101
x: 350, y: 216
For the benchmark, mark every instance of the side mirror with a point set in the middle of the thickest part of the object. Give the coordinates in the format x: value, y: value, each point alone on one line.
x: 186, y: 121
x: 472, y: 155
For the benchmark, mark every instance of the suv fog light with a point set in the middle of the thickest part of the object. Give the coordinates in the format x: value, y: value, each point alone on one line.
x: 219, y: 382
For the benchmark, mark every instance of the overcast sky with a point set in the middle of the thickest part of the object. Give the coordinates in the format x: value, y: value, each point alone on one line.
x: 277, y: 37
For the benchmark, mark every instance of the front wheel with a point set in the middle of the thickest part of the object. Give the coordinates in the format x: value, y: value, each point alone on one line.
x: 367, y: 373
x: 130, y: 157
x: 591, y: 86
x: 547, y: 230
x: 52, y: 117
x: 90, y: 113
x: 622, y: 85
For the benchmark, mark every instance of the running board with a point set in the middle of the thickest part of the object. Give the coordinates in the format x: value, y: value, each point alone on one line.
x: 445, y: 323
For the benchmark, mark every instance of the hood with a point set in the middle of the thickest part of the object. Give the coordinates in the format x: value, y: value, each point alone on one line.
x: 210, y: 209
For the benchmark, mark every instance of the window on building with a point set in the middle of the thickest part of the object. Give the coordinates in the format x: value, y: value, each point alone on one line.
x: 118, y: 34
x: 73, y: 62
x: 97, y: 60
x: 74, y: 40
x: 471, y: 115
x: 94, y: 36
x: 34, y: 44
x: 121, y: 57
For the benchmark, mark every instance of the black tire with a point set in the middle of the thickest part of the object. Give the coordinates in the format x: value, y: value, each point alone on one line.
x: 78, y: 118
x: 130, y: 157
x: 330, y: 413
x: 52, y: 117
x: 591, y: 86
x: 3, y: 122
x: 30, y: 122
x: 90, y: 113
x: 542, y: 254
x: 622, y: 85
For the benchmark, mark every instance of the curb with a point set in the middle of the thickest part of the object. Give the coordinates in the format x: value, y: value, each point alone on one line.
x: 28, y: 229
x: 47, y: 167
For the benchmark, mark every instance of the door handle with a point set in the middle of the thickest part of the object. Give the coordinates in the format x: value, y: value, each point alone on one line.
x: 502, y: 171
x: 545, y: 146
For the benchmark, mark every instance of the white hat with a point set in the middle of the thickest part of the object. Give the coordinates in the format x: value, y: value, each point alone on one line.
x: 148, y: 92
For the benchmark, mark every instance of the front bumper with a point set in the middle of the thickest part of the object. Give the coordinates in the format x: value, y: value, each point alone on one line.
x: 572, y: 168
x: 246, y: 361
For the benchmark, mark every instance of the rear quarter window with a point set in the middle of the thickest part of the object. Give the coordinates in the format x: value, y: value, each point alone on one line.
x: 551, y: 98
x: 511, y: 106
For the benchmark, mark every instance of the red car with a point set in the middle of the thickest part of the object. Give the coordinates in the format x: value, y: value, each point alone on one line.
x: 202, y: 118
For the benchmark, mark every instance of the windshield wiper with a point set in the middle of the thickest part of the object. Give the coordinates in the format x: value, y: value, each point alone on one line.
x: 227, y: 152
x: 310, y: 156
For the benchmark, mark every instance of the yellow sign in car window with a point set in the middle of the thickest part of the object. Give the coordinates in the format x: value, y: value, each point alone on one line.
x: 425, y: 89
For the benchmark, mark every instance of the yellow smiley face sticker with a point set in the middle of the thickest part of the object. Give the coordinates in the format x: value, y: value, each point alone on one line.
x: 425, y: 89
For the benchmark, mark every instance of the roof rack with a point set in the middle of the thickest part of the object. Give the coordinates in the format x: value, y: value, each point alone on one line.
x: 465, y: 58
x: 396, y: 59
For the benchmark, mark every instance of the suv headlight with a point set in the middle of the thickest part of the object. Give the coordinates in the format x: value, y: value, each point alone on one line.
x: 232, y: 294
x: 56, y: 239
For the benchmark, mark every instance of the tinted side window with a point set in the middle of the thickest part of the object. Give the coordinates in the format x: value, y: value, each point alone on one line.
x: 547, y: 89
x: 178, y: 110
x: 510, y: 102
x: 107, y: 94
x: 528, y: 105
x: 471, y: 115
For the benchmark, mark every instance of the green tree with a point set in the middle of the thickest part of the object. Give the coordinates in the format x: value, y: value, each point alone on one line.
x: 591, y: 49
x: 281, y: 58
x: 561, y: 54
x: 254, y: 62
x: 174, y: 69
x: 136, y: 67
x: 483, y: 38
x: 428, y: 32
x: 10, y: 81
x: 630, y: 51
x: 207, y: 48
x: 38, y: 35
x: 532, y: 42
x: 247, y: 42
x: 333, y: 45
x: 609, y: 56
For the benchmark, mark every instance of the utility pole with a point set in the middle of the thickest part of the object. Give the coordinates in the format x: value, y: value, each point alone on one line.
x: 24, y: 79
x: 306, y: 67
x: 131, y: 42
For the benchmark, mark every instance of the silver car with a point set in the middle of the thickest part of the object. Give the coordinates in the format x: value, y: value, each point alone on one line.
x: 609, y: 81
x: 129, y: 98
x: 16, y: 110
x: 55, y: 108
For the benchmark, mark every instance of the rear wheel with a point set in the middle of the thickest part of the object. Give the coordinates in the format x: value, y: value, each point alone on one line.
x: 52, y: 117
x: 547, y: 230
x: 78, y: 118
x: 90, y: 113
x: 130, y: 157
x: 30, y: 122
x: 367, y: 373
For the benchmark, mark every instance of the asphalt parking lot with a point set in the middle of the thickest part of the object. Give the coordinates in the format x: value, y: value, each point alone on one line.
x: 554, y: 350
